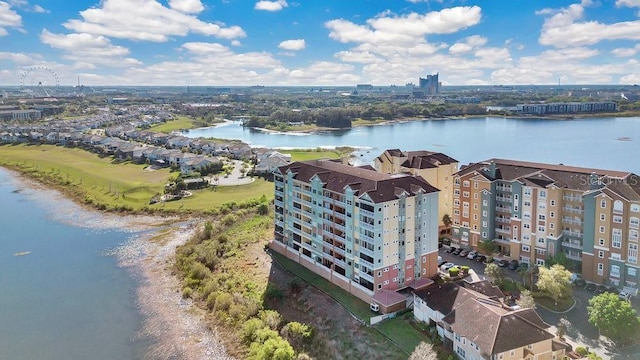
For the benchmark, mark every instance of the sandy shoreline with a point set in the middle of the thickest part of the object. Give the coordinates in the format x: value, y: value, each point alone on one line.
x: 174, y: 327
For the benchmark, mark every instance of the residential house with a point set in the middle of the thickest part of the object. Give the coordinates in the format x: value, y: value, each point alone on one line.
x: 268, y: 162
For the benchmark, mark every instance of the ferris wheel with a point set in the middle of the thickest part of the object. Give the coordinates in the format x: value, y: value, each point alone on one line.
x: 39, y: 80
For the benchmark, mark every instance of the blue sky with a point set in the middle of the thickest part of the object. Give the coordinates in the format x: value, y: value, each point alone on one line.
x: 319, y: 42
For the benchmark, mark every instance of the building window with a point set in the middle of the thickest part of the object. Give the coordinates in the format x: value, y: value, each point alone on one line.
x: 484, y: 213
x: 603, y: 203
x: 539, y: 262
x: 615, y: 271
x: 551, y: 225
x: 541, y: 228
x: 475, y: 216
x: 600, y: 269
x: 617, y: 219
x: 634, y: 222
x: 484, y: 234
x: 527, y: 191
x: 634, y: 208
x: 484, y: 224
x: 552, y: 214
x: 456, y: 192
x: 616, y: 238
x: 485, y: 203
x: 526, y: 226
x: 542, y: 217
x: 602, y: 217
x: 542, y: 194
x: 601, y: 254
x: 601, y: 241
x: 601, y: 229
x: 618, y: 206
x: 540, y: 251
x: 379, y: 273
x: 526, y: 203
x: 475, y: 184
x: 475, y: 196
x: 466, y: 183
x: 460, y: 352
x: 456, y: 181
x: 456, y: 202
x: 526, y: 248
x: 632, y: 271
x: 552, y: 203
x: 465, y: 194
x: 632, y: 256
x: 633, y: 235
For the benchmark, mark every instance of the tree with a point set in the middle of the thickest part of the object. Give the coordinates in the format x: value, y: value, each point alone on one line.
x: 424, y: 351
x: 494, y: 273
x: 555, y: 282
x: 614, y: 317
x: 446, y: 220
x: 526, y: 300
x: 487, y: 246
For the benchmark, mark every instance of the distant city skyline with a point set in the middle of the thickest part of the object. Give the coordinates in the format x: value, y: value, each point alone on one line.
x: 331, y: 42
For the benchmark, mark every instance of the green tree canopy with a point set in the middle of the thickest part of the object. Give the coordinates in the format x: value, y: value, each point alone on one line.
x: 494, y: 273
x: 487, y: 246
x: 526, y: 300
x: 614, y: 317
x: 555, y: 282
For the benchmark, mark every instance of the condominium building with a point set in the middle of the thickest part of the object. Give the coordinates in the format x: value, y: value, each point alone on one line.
x: 567, y: 107
x: 368, y: 232
x: 534, y: 211
x: 435, y: 167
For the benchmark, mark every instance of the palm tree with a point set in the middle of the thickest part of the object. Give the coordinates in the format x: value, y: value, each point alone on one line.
x: 446, y: 220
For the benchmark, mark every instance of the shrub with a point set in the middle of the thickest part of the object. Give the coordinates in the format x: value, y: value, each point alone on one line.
x: 249, y: 329
x: 186, y: 292
x: 199, y: 271
x: 582, y: 351
x: 223, y: 302
x: 271, y: 318
x: 296, y: 333
x: 273, y: 293
x: 209, y: 287
x: 454, y: 271
x: 238, y: 312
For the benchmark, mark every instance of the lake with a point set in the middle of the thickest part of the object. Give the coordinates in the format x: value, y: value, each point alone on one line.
x: 62, y: 296
x: 606, y: 143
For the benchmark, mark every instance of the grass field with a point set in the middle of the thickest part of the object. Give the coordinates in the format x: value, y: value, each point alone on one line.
x: 400, y: 331
x: 304, y: 155
x: 181, y: 123
x: 91, y: 178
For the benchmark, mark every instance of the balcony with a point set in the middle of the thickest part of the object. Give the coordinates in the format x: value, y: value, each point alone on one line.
x: 505, y: 230
x: 366, y: 212
x: 506, y: 199
x: 575, y: 244
x: 574, y: 255
x: 572, y: 210
x: 503, y: 220
x: 366, y: 225
x: 572, y: 221
x: 572, y: 198
x: 503, y: 188
x: 366, y: 251
x: 572, y: 233
x: 506, y: 209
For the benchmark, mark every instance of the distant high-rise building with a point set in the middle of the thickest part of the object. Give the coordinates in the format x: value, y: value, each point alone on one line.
x: 429, y: 85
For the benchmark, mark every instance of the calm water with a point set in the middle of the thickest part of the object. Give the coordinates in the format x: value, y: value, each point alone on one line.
x: 582, y: 142
x: 66, y: 299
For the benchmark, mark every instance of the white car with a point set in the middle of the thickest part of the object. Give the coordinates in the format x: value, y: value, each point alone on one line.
x: 472, y: 254
x: 624, y: 295
x: 447, y: 266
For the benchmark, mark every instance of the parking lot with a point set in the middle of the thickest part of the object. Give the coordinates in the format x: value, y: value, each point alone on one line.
x: 478, y: 267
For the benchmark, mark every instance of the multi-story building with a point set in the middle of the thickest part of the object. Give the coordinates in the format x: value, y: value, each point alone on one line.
x: 370, y: 233
x: 435, y: 167
x: 535, y: 211
x: 567, y: 107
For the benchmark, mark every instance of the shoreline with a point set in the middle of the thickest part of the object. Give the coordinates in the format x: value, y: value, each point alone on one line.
x: 172, y: 327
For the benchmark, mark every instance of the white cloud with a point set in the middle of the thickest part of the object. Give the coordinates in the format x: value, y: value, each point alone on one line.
x: 187, y: 6
x: 271, y: 5
x: 562, y: 29
x: 363, y: 57
x: 630, y: 79
x: 467, y: 45
x: 8, y: 18
x: 88, y: 50
x: 625, y: 52
x: 628, y: 3
x: 145, y: 20
x: 19, y: 58
x: 293, y: 45
x: 236, y: 43
x: 40, y: 9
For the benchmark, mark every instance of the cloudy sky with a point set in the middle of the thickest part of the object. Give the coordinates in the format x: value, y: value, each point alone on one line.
x: 320, y: 42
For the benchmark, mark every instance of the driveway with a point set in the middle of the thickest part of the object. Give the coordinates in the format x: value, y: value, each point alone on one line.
x: 235, y: 178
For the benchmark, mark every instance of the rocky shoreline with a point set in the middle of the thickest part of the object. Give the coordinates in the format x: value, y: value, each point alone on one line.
x: 173, y: 326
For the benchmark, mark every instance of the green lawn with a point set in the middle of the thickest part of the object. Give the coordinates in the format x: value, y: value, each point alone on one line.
x: 102, y: 181
x: 352, y: 303
x: 304, y: 155
x: 181, y: 123
x: 400, y: 331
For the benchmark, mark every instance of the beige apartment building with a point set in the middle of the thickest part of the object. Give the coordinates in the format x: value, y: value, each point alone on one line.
x: 534, y: 211
x: 435, y: 167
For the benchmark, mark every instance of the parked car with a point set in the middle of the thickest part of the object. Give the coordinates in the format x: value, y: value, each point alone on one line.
x: 591, y: 287
x: 464, y: 253
x: 457, y: 251
x: 624, y: 295
x: 481, y: 258
x: 472, y: 254
x: 447, y: 266
x: 503, y: 263
x: 451, y: 249
x: 513, y: 265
